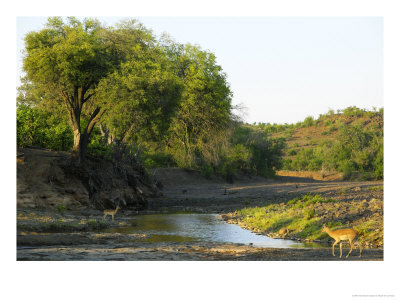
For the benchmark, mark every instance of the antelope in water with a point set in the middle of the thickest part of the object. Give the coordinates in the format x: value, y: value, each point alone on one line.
x: 342, y: 235
x: 110, y: 212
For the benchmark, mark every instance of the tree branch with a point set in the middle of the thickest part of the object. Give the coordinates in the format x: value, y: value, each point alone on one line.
x: 94, y: 118
x: 88, y: 97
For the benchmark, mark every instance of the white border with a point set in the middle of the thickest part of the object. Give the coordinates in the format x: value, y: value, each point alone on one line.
x: 201, y: 280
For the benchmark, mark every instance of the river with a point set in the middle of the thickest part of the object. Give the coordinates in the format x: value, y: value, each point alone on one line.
x: 197, y: 228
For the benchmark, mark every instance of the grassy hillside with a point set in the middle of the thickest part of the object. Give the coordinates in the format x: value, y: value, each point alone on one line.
x: 349, y: 141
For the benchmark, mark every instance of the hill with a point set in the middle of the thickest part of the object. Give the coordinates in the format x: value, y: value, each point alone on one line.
x: 348, y: 143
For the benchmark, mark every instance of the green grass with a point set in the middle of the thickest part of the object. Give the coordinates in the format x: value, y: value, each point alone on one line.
x: 376, y: 188
x: 344, y: 190
x: 308, y: 200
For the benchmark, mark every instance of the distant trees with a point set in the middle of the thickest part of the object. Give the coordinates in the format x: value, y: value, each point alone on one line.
x: 356, y: 148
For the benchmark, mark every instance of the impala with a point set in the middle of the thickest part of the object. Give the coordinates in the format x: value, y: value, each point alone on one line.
x: 110, y: 212
x: 342, y: 235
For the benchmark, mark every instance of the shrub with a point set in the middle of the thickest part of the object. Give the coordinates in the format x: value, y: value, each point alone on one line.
x: 207, y: 171
x: 61, y: 208
x: 309, y: 214
x: 42, y: 129
x: 376, y: 188
x: 346, y: 167
x: 157, y: 160
x: 308, y: 121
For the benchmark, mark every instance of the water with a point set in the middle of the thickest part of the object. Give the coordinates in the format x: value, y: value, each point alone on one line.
x: 198, y: 228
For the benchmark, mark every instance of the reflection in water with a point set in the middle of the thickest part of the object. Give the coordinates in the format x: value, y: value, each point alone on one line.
x: 198, y: 228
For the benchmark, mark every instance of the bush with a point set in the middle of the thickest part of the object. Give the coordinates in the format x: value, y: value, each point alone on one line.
x: 42, y: 129
x: 309, y: 214
x: 207, y: 171
x: 353, y: 111
x: 308, y: 121
x: 347, y: 168
x: 98, y: 147
x: 157, y: 160
x: 61, y: 208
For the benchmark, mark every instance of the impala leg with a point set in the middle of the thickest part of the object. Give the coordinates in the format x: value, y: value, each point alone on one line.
x: 359, y: 245
x: 351, y: 248
x: 333, y: 247
x: 340, y: 249
x: 112, y: 217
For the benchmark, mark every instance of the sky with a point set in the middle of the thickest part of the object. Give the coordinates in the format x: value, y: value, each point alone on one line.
x: 280, y: 69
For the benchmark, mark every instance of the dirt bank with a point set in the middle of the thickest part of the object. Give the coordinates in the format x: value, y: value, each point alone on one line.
x: 52, y: 180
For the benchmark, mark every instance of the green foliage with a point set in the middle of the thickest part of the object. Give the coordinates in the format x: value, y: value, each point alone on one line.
x: 308, y: 200
x: 141, y: 97
x: 376, y: 188
x: 275, y: 128
x: 365, y: 228
x: 353, y: 111
x: 308, y: 121
x: 255, y: 152
x: 356, y: 148
x: 309, y: 214
x: 207, y: 171
x: 61, y: 208
x: 157, y: 159
x: 39, y: 128
x: 99, y: 148
x: 197, y: 134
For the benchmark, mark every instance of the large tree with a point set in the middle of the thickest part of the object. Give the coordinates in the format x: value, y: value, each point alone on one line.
x: 205, y: 110
x: 66, y: 61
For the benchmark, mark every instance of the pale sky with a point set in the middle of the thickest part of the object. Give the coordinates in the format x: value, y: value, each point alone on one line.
x: 282, y: 69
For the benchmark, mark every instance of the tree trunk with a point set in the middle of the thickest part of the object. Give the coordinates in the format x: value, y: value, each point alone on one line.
x: 81, y: 141
x: 74, y: 105
x: 83, y: 146
x: 74, y: 118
